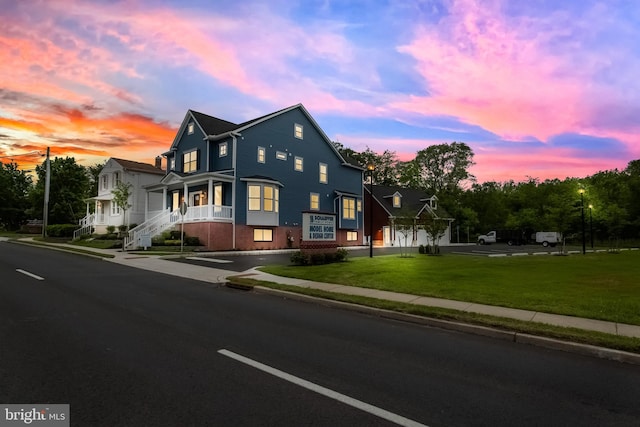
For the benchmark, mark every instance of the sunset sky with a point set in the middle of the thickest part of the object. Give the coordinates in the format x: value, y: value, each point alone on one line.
x: 537, y: 88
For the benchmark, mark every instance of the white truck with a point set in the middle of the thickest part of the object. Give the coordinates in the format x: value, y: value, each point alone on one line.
x: 547, y: 238
x: 517, y: 237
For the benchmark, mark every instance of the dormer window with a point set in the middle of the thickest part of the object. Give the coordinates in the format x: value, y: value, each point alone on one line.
x: 190, y: 128
x: 433, y: 203
x: 397, y: 200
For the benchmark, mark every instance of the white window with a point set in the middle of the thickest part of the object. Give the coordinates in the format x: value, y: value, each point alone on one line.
x: 281, y: 155
x: 314, y: 201
x: 261, y: 154
x: 116, y: 178
x: 298, y: 164
x: 297, y: 130
x: 222, y: 149
x: 190, y: 128
x: 396, y: 201
x: 172, y: 163
x: 254, y: 197
x: 269, y: 202
x: 262, y: 235
x: 352, y: 236
x: 349, y: 208
x: 263, y: 197
x: 323, y: 173
x: 115, y: 209
x: 190, y: 163
x: 105, y: 182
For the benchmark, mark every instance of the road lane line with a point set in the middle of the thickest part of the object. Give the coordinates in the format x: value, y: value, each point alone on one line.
x: 374, y: 410
x: 29, y: 274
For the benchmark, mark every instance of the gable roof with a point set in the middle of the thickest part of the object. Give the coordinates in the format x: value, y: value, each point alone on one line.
x: 412, y: 200
x: 130, y: 165
x: 215, y: 128
x: 212, y: 125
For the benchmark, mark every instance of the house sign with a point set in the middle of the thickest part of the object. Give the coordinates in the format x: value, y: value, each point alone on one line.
x: 318, y: 227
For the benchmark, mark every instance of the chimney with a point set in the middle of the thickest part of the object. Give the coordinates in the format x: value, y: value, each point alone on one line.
x: 159, y: 162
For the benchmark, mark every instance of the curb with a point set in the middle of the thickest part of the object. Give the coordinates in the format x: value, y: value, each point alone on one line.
x: 516, y: 337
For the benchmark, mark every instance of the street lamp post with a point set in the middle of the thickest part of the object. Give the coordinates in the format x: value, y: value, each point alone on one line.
x: 591, y: 224
x: 581, y: 191
x: 371, y: 167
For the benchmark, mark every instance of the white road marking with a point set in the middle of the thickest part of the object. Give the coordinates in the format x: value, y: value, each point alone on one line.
x: 374, y: 410
x: 29, y: 274
x: 219, y: 261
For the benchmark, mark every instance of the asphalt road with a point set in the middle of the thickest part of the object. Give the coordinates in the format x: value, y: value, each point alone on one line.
x: 127, y: 347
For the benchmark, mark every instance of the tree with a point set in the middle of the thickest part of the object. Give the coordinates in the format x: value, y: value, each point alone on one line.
x: 121, y: 194
x: 405, y: 224
x: 70, y: 187
x: 443, y: 168
x: 385, y: 165
x: 435, y: 229
x: 94, y: 176
x: 14, y: 190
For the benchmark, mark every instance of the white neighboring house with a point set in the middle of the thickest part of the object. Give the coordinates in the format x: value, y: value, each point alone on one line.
x: 106, y: 211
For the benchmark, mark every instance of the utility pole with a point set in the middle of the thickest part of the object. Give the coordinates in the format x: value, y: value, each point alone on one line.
x: 47, y: 183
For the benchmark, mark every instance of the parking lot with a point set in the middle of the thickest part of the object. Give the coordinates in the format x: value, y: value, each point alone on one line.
x: 242, y: 261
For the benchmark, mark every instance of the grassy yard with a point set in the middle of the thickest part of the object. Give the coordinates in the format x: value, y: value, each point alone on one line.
x: 602, y: 286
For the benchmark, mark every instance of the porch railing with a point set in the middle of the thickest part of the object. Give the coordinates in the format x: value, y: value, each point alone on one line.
x: 152, y: 227
x: 86, y: 226
x: 164, y: 220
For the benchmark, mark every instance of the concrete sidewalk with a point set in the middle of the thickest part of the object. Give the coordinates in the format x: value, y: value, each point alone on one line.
x: 612, y: 328
x: 216, y: 275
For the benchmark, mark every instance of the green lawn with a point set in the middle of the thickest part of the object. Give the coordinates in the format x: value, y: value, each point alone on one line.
x: 599, y: 286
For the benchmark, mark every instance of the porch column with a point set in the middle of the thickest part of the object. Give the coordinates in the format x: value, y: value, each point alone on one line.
x: 185, y: 197
x: 146, y: 205
x: 210, y: 198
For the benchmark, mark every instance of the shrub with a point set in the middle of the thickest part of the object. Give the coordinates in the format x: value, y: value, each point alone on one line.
x: 341, y: 255
x: 111, y: 229
x: 317, y: 259
x: 61, y: 230
x: 421, y: 249
x: 175, y: 234
x: 122, y: 228
x: 298, y: 258
x: 192, y: 241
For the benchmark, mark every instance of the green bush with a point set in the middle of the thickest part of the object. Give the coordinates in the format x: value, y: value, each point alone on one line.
x: 421, y: 249
x: 192, y: 241
x: 298, y: 258
x: 111, y: 229
x: 61, y: 230
x: 122, y: 228
x: 175, y: 234
x: 318, y: 259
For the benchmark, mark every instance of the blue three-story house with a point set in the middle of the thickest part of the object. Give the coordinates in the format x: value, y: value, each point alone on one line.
x: 247, y: 185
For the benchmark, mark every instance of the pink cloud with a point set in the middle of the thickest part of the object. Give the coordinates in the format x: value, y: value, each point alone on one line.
x: 495, y: 71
